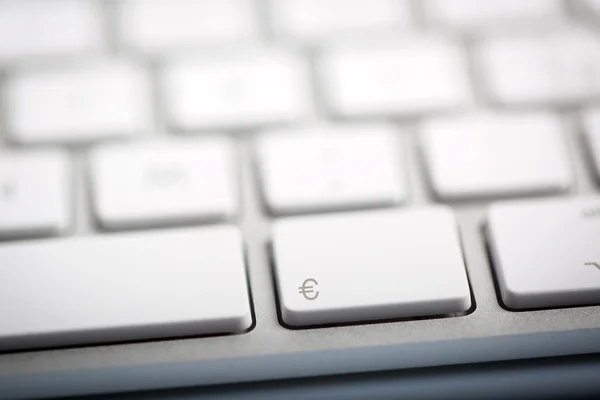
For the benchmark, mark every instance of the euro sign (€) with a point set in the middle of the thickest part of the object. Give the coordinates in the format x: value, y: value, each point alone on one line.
x: 307, y: 289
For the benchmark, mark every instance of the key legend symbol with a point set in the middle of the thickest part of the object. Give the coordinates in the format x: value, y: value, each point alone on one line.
x: 597, y: 265
x: 167, y: 175
x: 307, y: 289
x: 591, y: 212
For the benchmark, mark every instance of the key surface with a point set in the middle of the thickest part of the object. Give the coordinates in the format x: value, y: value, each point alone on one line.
x: 331, y: 168
x: 35, y: 193
x: 164, y: 182
x: 236, y: 90
x: 125, y: 287
x: 165, y: 25
x: 477, y: 15
x: 559, y: 68
x: 546, y: 253
x: 49, y: 28
x: 77, y: 103
x: 312, y: 20
x: 367, y: 266
x: 394, y: 77
x: 487, y: 155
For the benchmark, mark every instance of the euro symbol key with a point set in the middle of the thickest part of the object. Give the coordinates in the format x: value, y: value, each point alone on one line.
x: 307, y: 289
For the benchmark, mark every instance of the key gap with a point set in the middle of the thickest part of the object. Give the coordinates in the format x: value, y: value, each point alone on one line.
x: 154, y: 68
x: 109, y: 21
x: 474, y: 72
x: 254, y: 226
x: 414, y: 171
x: 264, y: 18
x: 418, y: 15
x: 318, y: 98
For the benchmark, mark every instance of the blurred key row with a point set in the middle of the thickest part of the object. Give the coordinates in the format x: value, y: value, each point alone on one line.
x: 320, y: 168
x: 254, y: 88
x: 32, y: 28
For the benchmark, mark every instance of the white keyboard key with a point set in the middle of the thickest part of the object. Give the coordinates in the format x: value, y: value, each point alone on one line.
x: 477, y: 15
x: 592, y: 126
x: 161, y: 25
x: 160, y: 183
x: 490, y: 155
x: 49, y: 28
x: 405, y: 77
x: 247, y: 89
x: 323, y: 19
x: 146, y: 285
x: 35, y: 194
x: 560, y: 68
x: 77, y: 104
x: 546, y: 253
x: 330, y: 168
x: 367, y: 266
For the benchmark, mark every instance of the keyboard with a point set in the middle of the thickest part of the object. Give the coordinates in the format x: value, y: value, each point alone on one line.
x: 210, y: 192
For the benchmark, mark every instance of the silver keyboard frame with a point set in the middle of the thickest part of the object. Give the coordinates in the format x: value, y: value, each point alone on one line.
x: 270, y: 351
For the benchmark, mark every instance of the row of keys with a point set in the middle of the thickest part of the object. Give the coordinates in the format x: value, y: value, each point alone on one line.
x: 68, y: 27
x: 320, y: 168
x: 70, y: 105
x: 195, y: 283
x: 268, y: 86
